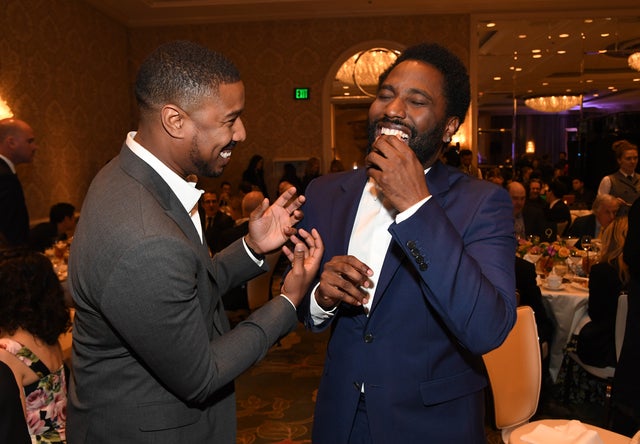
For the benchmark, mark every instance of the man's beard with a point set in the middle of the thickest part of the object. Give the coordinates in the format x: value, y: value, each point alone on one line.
x: 427, y: 146
x: 201, y: 166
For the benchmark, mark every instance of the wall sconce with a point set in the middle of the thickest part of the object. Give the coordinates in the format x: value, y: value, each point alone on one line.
x: 531, y: 147
x: 5, y: 111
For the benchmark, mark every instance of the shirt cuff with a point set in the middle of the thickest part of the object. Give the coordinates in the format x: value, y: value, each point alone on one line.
x: 318, y: 314
x: 258, y: 261
x: 406, y: 214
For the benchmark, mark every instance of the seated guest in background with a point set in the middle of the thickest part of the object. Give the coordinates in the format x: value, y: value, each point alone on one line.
x: 62, y: 223
x: 214, y: 220
x: 32, y: 317
x: 13, y: 426
x: 596, y: 340
x: 250, y: 202
x: 604, y: 210
x: 582, y: 197
x: 557, y: 211
x: 534, y: 196
x: 336, y: 166
x: 626, y: 388
x: 236, y: 298
x: 529, y: 294
x: 466, y: 164
x: 529, y: 220
x: 495, y: 175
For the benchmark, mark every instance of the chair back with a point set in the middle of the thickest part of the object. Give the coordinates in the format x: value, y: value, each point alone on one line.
x: 621, y: 321
x: 515, y: 371
x: 259, y: 288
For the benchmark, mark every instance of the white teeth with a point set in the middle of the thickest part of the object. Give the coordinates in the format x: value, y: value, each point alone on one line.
x: 225, y: 154
x: 394, y: 132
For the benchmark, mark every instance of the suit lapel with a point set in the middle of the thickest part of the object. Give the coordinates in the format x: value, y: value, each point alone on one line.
x: 162, y: 193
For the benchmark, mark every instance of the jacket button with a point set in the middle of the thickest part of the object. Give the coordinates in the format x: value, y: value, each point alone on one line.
x: 368, y: 338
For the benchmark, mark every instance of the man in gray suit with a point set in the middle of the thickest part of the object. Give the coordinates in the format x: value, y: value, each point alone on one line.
x: 153, y: 357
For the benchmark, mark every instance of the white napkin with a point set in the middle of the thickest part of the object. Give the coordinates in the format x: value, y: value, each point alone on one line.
x: 573, y: 432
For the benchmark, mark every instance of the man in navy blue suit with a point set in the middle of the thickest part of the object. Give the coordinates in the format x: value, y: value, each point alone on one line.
x: 417, y: 280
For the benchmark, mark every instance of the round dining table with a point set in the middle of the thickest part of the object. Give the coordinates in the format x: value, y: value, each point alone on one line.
x: 567, y: 307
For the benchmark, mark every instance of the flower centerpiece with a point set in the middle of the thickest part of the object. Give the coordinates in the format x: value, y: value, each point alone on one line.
x: 545, y: 254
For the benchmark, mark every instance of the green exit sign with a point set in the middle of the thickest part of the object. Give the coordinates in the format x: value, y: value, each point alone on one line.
x: 301, y: 93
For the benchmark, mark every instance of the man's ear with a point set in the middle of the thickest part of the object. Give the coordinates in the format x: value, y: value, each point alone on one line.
x: 173, y: 120
x: 450, y: 129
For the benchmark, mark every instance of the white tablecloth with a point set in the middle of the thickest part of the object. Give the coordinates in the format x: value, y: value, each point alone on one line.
x: 567, y: 308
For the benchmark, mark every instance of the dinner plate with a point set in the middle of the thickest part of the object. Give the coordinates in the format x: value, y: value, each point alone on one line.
x: 560, y: 288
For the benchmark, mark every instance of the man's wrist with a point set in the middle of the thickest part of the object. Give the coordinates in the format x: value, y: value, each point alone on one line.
x: 254, y: 253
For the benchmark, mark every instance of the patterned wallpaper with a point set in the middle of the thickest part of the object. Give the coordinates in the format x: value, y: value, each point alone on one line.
x: 67, y: 69
x: 63, y: 69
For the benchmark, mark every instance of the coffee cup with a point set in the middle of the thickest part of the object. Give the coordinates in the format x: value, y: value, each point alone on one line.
x: 554, y: 281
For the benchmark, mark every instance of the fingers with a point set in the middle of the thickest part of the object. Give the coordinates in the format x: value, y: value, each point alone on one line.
x: 344, y: 279
x: 260, y: 210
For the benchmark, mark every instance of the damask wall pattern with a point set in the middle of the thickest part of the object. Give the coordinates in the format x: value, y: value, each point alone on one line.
x: 63, y: 69
x: 68, y: 70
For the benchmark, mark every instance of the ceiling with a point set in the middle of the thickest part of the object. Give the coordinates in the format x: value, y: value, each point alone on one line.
x: 603, y: 77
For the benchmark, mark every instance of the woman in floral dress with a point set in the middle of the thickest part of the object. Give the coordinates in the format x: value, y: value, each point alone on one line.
x: 32, y: 317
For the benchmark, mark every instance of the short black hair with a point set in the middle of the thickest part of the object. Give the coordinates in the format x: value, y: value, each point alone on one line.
x: 182, y: 72
x: 457, y: 89
x: 59, y: 211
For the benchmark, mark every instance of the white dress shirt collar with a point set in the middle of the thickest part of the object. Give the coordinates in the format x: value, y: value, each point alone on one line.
x: 11, y: 165
x: 187, y: 193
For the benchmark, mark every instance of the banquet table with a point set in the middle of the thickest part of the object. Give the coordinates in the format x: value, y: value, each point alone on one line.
x: 568, y: 309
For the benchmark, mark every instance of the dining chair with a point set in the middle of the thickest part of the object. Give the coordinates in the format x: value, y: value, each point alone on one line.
x: 259, y: 288
x: 515, y: 371
x: 604, y: 375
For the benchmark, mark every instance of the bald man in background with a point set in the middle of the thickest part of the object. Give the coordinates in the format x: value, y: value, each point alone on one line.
x: 17, y: 145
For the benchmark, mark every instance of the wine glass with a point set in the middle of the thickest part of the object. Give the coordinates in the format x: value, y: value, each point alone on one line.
x: 585, y: 244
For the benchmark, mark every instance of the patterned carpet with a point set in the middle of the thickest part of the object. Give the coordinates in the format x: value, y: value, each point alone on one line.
x: 275, y: 398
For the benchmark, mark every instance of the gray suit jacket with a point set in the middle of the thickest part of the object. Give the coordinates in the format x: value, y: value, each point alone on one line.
x: 153, y: 359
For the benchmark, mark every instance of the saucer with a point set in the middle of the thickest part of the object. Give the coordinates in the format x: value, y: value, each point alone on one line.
x: 560, y: 288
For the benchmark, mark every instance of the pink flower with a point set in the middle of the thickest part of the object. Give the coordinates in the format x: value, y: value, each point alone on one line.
x: 36, y: 400
x: 36, y: 425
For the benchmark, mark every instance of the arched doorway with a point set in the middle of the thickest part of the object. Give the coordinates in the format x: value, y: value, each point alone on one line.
x: 348, y: 91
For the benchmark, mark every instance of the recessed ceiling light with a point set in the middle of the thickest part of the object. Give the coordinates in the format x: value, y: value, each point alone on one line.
x: 561, y: 51
x: 589, y: 81
x: 497, y: 78
x: 563, y: 36
x: 611, y: 87
x: 537, y: 56
x: 636, y: 80
x: 588, y: 20
x: 490, y: 25
x: 522, y: 36
x: 604, y: 34
x: 545, y: 83
x: 518, y: 69
x: 536, y: 51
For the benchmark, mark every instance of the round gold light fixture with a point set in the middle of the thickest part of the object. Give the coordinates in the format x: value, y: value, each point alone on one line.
x: 553, y: 104
x: 634, y: 61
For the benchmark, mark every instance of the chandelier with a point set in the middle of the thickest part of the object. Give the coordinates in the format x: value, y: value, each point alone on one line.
x: 634, y: 61
x: 5, y: 111
x: 364, y: 68
x: 553, y: 104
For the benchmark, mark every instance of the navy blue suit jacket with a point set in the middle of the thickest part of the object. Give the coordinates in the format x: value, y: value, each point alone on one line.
x: 445, y: 296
